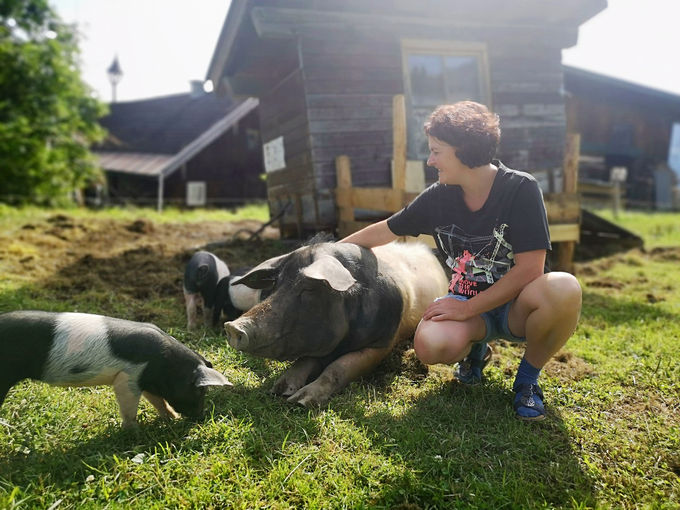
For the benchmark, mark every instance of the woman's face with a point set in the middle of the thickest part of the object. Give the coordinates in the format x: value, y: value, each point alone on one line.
x: 443, y: 158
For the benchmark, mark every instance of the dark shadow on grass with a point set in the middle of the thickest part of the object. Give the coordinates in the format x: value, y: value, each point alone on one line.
x: 467, y: 448
x: 463, y: 445
x: 63, y: 467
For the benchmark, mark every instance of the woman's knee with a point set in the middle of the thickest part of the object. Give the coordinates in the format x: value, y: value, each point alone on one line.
x: 558, y: 290
x: 434, y: 343
x: 565, y: 290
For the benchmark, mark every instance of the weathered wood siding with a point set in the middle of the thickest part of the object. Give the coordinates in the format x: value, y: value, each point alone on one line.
x: 283, y: 112
x: 349, y: 94
x: 526, y: 84
x: 349, y: 103
x: 621, y: 121
x: 625, y: 125
x: 340, y: 101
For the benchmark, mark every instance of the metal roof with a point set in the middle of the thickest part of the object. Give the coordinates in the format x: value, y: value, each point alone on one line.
x: 137, y: 161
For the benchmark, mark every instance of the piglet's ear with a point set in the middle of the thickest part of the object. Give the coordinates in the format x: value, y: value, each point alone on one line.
x: 209, y: 377
x: 202, y: 273
x: 330, y: 270
x: 258, y: 279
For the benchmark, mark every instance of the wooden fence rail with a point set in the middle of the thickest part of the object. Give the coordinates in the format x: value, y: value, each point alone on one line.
x: 563, y: 209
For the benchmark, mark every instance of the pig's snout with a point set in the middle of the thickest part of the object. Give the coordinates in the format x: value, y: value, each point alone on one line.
x: 236, y: 335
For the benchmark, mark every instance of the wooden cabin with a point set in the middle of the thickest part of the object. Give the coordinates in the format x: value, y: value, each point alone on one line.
x: 623, y: 125
x: 326, y: 73
x: 193, y: 149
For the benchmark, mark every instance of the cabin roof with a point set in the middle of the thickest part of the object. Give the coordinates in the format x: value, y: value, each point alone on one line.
x: 580, y: 82
x: 267, y: 25
x: 157, y: 136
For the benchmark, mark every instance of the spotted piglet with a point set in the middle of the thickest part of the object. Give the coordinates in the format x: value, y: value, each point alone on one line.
x: 78, y: 349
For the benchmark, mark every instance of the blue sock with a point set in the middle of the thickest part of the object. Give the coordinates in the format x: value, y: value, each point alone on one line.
x: 526, y: 373
x: 478, y: 351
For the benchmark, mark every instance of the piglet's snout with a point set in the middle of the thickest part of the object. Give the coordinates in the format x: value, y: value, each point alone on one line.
x: 236, y: 335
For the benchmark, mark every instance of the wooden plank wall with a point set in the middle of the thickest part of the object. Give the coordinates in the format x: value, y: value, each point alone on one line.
x: 283, y: 112
x: 341, y: 103
x: 349, y: 84
x: 526, y: 87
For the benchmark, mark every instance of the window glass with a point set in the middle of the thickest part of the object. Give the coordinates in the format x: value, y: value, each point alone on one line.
x: 435, y: 79
x: 427, y: 79
x: 461, y: 78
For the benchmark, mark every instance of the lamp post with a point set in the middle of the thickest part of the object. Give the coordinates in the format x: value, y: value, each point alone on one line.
x: 115, y: 74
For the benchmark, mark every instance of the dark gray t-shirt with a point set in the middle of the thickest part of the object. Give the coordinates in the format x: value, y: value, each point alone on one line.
x: 479, y: 246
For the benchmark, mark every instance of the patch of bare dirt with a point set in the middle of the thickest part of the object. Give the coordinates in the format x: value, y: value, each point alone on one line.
x: 567, y: 367
x: 606, y: 284
x: 670, y: 253
x: 134, y: 261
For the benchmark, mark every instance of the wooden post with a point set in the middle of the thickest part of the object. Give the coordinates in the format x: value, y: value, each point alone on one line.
x: 572, y: 152
x: 565, y: 250
x: 399, y: 142
x: 161, y: 181
x: 343, y: 194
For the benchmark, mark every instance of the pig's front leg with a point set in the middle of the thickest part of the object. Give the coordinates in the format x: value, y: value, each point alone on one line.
x: 164, y: 409
x: 193, y: 302
x: 296, y: 376
x: 339, y: 374
x: 128, y: 395
x: 208, y: 316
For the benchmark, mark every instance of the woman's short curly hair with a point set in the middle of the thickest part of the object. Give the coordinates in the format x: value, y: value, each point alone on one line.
x: 469, y: 127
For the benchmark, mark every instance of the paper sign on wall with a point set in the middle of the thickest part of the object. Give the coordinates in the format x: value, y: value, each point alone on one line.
x: 274, y: 157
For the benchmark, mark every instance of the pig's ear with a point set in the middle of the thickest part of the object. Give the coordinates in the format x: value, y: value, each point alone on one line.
x: 206, y: 376
x: 258, y: 279
x: 202, y: 273
x: 330, y: 269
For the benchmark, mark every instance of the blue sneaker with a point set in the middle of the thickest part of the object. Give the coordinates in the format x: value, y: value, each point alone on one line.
x: 528, y: 401
x: 469, y: 370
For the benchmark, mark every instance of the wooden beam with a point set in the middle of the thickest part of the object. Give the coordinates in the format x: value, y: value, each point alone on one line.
x: 275, y: 22
x: 343, y: 199
x: 572, y: 152
x: 565, y: 250
x: 161, y: 181
x: 375, y: 199
x: 562, y: 207
x: 564, y: 232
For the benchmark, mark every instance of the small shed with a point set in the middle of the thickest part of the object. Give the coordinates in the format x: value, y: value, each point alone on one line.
x: 623, y: 124
x: 193, y: 149
x: 326, y: 73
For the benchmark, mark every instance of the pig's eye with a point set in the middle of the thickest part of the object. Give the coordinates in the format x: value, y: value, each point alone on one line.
x: 307, y: 296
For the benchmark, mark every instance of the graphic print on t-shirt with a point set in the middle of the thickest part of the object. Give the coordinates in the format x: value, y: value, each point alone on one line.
x: 475, y: 261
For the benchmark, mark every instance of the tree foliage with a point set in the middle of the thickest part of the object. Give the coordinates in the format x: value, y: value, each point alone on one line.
x: 48, y: 115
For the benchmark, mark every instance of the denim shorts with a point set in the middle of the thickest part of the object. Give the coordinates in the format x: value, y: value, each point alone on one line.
x: 496, y: 321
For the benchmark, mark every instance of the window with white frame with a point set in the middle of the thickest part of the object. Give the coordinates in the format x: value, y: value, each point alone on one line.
x: 196, y: 195
x: 436, y: 73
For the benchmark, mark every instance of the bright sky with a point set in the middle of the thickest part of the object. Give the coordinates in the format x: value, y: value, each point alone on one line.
x: 163, y: 44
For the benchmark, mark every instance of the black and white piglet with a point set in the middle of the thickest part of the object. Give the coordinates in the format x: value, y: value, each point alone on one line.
x: 78, y: 349
x: 207, y: 286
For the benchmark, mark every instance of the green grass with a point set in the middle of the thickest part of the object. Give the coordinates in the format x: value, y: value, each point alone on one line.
x: 656, y: 228
x: 401, y: 438
x: 255, y: 211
